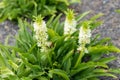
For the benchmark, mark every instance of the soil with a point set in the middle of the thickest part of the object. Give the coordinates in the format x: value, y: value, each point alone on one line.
x: 110, y: 27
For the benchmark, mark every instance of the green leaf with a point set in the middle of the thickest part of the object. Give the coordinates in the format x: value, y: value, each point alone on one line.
x: 43, y: 78
x: 66, y: 57
x: 96, y: 16
x: 13, y: 65
x: 99, y: 74
x: 102, y: 41
x: 93, y: 78
x: 75, y: 1
x: 50, y: 21
x: 64, y: 1
x: 93, y: 41
x: 102, y: 49
x: 87, y: 65
x: 107, y: 60
x: 79, y: 17
x: 97, y: 51
x: 60, y: 72
x: 5, y: 72
x: 25, y: 78
x: 118, y: 10
x: 2, y: 5
x: 100, y: 70
x: 67, y: 65
x: 55, y: 23
x: 21, y: 70
x: 52, y: 33
x: 30, y: 57
x: 95, y: 24
x: 114, y: 70
x: 11, y: 47
x: 27, y: 63
x: 59, y: 42
x: 3, y: 59
x: 38, y: 74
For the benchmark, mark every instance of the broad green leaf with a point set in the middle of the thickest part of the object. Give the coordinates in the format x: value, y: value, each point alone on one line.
x: 11, y: 47
x: 50, y: 21
x: 100, y: 70
x: 56, y: 23
x: 102, y: 49
x: 98, y: 75
x: 30, y: 57
x: 52, y: 33
x: 97, y: 51
x: 67, y: 56
x: 21, y: 70
x: 60, y: 72
x: 87, y: 65
x: 107, y: 60
x: 13, y: 65
x: 38, y: 74
x: 114, y: 70
x: 102, y: 41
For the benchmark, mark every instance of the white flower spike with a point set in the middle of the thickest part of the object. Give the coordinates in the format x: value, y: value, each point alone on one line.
x: 84, y: 37
x: 41, y: 33
x: 70, y: 23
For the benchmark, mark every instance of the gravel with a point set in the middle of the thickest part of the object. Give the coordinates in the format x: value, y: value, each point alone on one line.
x: 110, y: 27
x: 8, y: 30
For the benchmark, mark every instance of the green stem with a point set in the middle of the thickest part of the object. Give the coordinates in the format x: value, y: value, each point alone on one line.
x: 79, y: 59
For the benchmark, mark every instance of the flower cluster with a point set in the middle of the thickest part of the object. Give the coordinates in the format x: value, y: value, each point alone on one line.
x: 84, y: 31
x: 84, y: 37
x: 41, y: 36
x: 70, y: 23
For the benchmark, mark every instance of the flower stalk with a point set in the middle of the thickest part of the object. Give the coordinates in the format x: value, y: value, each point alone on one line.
x: 84, y: 38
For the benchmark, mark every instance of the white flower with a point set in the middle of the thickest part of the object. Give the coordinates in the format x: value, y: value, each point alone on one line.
x: 41, y: 34
x: 84, y: 38
x: 70, y: 23
x: 82, y: 48
x: 84, y: 35
x: 70, y: 26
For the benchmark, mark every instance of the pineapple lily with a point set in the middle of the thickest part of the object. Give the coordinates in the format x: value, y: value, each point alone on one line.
x: 40, y: 30
x: 70, y: 22
x: 84, y: 37
x: 32, y: 58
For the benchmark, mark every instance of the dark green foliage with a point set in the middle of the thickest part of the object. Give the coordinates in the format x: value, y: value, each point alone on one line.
x: 13, y: 9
